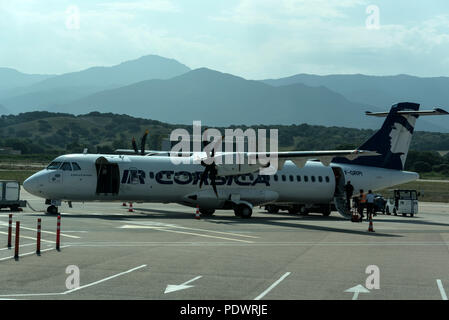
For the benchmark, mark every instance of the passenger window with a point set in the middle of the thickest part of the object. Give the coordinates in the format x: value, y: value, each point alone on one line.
x: 291, y: 178
x: 320, y: 179
x: 313, y: 178
x: 66, y: 166
x: 283, y: 177
x: 276, y: 177
x: 75, y: 166
x: 306, y: 179
x: 327, y: 179
x: 298, y: 178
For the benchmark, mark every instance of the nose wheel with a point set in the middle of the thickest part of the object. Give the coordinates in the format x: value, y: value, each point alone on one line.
x: 52, y: 209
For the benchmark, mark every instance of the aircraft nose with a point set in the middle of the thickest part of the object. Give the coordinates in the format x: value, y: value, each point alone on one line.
x: 31, y: 185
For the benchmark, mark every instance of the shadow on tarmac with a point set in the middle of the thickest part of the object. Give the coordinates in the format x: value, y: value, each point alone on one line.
x: 288, y: 220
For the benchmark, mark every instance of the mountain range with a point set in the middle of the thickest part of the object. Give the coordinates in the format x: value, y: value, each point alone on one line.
x: 167, y: 90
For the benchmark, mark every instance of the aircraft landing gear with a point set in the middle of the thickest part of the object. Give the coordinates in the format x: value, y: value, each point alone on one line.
x: 244, y: 211
x: 207, y: 212
x: 52, y: 209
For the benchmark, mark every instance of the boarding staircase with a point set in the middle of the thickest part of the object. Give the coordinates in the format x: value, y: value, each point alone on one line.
x: 340, y: 200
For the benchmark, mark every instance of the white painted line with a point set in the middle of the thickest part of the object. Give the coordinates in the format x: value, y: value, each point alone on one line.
x: 182, y: 286
x: 106, y: 279
x: 195, y: 229
x: 30, y: 253
x: 160, y: 228
x: 204, y: 235
x: 22, y: 245
x: 25, y: 237
x: 260, y: 296
x: 72, y: 290
x: 442, y: 292
x: 43, y: 231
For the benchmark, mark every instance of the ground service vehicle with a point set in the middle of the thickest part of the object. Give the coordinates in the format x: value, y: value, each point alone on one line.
x: 404, y: 202
x: 10, y: 195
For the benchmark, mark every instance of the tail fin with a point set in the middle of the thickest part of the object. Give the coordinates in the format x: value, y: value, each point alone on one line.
x: 392, y: 141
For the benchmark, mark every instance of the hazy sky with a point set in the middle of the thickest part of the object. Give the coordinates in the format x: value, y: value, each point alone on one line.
x: 252, y: 38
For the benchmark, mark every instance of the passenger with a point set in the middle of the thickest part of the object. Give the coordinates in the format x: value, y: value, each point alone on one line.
x: 349, y: 190
x: 362, y: 203
x: 370, y: 204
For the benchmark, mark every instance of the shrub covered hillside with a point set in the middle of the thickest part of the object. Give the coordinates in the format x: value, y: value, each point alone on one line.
x: 57, y: 133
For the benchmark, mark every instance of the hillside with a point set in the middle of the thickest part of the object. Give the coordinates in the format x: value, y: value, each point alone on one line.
x: 68, y: 87
x: 223, y: 99
x: 57, y: 133
x: 381, y: 91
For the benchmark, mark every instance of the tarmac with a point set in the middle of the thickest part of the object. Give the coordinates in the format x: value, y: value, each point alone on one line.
x: 161, y: 252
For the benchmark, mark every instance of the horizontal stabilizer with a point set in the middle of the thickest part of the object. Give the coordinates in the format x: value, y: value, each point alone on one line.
x: 434, y: 112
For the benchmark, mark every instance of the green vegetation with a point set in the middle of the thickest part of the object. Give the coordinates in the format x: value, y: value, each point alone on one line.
x: 430, y: 191
x: 41, y: 136
x: 17, y: 175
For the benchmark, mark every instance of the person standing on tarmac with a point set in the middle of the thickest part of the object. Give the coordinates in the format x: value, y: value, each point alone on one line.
x: 349, y: 190
x: 370, y: 204
x: 362, y: 203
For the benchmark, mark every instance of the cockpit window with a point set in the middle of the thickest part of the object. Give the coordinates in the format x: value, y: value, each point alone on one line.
x: 54, y: 166
x: 66, y: 166
x: 75, y: 166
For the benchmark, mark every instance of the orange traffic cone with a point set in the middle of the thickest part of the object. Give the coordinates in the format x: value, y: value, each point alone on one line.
x: 197, y: 214
x: 130, y: 207
x: 370, y: 227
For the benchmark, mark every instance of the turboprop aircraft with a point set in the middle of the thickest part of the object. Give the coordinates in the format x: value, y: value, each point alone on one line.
x: 303, y: 177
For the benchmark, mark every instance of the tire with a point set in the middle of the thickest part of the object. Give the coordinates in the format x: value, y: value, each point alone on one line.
x: 272, y: 209
x: 244, y: 211
x: 52, y: 210
x: 207, y: 212
x: 303, y: 211
x: 412, y: 215
x: 394, y: 212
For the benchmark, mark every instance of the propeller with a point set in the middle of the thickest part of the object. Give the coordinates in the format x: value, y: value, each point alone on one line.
x: 142, y: 144
x: 210, y: 170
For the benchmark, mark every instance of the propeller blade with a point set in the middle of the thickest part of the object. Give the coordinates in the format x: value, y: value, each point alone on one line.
x: 135, y: 146
x: 204, y: 175
x: 213, y: 176
x: 143, y: 141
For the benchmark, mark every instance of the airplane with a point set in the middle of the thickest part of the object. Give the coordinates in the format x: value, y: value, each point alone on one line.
x: 303, y: 177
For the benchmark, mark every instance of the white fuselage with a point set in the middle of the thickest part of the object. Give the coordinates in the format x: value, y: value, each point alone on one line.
x: 157, y: 179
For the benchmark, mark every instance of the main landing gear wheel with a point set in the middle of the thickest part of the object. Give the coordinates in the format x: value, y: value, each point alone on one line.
x: 243, y: 211
x: 52, y: 210
x: 207, y: 212
x: 272, y: 209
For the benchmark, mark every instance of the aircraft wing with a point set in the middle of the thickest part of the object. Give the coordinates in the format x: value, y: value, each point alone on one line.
x: 325, y: 157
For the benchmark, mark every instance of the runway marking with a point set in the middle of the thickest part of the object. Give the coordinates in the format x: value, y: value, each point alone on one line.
x: 260, y: 296
x: 196, y: 229
x: 43, y: 231
x: 256, y: 244
x: 76, y: 289
x: 106, y: 279
x: 26, y: 237
x: 30, y: 253
x: 442, y: 292
x: 22, y: 245
x: 203, y: 235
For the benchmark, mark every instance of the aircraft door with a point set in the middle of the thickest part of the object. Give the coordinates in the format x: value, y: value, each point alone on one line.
x: 339, y: 182
x: 108, y: 177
